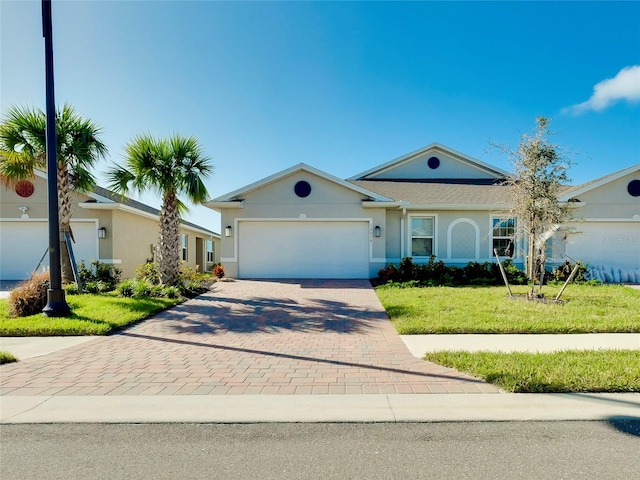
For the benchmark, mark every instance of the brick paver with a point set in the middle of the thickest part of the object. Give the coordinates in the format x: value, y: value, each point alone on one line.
x: 245, y: 338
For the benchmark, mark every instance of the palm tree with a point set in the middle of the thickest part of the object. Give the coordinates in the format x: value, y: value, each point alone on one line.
x: 171, y: 167
x: 23, y: 151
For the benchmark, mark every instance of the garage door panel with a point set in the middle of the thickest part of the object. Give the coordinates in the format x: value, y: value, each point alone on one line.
x: 303, y: 250
x: 610, y: 243
x: 22, y: 244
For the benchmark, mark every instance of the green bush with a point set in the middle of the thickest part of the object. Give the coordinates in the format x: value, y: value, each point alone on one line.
x: 436, y: 273
x: 71, y: 289
x: 126, y: 288
x: 30, y: 297
x: 98, y: 277
x: 142, y: 288
x: 562, y: 272
x: 148, y: 272
x: 191, y: 289
x: 138, y: 288
x: 171, y: 292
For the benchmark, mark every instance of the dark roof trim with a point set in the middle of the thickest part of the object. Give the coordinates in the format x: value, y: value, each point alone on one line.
x: 449, y: 181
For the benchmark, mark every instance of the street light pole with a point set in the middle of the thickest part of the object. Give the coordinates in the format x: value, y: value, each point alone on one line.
x: 56, y: 303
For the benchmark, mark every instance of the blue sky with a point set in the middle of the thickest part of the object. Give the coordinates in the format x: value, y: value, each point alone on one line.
x: 341, y: 86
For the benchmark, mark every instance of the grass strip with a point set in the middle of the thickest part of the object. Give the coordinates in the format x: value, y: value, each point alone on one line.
x: 6, y: 357
x: 90, y: 315
x: 447, y: 310
x: 566, y: 371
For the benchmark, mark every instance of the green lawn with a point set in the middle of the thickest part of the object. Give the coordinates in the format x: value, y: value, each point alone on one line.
x: 586, y: 309
x: 570, y: 371
x: 90, y: 315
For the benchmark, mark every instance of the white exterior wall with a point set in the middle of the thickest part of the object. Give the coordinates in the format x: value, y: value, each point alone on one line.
x: 277, y: 202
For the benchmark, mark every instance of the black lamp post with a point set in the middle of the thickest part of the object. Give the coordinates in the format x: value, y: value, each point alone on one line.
x: 56, y: 303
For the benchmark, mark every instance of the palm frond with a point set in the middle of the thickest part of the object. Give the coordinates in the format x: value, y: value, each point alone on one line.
x: 120, y: 180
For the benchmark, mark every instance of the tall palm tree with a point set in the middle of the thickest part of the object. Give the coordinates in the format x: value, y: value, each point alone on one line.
x: 23, y: 151
x: 171, y: 167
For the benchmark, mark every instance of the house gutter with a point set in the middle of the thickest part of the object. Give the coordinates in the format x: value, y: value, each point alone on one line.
x: 374, y: 204
x: 218, y: 206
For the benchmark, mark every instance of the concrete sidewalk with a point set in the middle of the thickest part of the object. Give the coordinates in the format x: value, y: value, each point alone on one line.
x: 418, y: 345
x: 318, y: 408
x: 31, y: 347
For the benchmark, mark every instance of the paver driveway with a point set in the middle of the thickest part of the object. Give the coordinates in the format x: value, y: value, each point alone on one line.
x: 247, y: 337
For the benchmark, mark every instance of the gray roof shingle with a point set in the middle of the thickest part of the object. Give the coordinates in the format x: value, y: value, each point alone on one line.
x: 114, y: 197
x: 434, y: 193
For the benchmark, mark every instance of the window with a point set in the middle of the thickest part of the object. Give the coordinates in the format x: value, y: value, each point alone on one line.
x: 422, y: 229
x: 184, y: 247
x: 210, y: 251
x: 504, y: 232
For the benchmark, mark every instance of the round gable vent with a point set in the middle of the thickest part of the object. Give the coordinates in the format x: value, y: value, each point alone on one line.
x: 24, y: 188
x: 634, y: 188
x: 433, y: 162
x: 302, y: 189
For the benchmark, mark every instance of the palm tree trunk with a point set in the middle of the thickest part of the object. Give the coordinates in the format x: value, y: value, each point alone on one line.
x: 169, y: 255
x: 64, y: 208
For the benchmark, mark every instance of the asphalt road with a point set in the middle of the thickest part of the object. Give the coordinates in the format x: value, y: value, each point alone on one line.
x: 542, y: 450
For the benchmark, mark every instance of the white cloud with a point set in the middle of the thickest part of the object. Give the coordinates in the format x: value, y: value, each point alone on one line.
x: 624, y: 86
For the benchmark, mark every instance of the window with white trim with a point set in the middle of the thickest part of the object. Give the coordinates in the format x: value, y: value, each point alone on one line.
x: 184, y: 246
x: 503, y: 236
x: 422, y: 236
x: 210, y: 251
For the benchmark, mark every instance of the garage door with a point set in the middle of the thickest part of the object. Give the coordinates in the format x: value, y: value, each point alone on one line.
x: 22, y: 244
x: 303, y: 250
x: 607, y: 243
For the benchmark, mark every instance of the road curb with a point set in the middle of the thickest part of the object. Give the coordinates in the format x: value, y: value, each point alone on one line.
x: 318, y: 408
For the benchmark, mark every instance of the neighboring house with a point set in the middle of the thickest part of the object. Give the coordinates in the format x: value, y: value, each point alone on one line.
x: 106, y: 227
x: 606, y: 227
x: 305, y: 223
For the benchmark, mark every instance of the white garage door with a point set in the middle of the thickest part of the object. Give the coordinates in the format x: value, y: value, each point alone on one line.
x: 22, y: 244
x: 303, y: 250
x: 607, y: 243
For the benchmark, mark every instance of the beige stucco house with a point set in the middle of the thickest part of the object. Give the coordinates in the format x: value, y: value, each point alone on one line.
x: 305, y: 223
x: 605, y: 231
x: 106, y: 227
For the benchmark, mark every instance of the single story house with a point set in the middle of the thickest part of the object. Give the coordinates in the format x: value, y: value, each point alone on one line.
x: 106, y: 227
x: 605, y: 229
x: 305, y: 223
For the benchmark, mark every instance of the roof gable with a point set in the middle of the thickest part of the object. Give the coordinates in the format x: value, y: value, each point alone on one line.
x: 435, y: 163
x: 237, y: 195
x: 599, y: 183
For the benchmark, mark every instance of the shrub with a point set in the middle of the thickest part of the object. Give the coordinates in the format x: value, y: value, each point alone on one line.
x: 171, y: 292
x: 126, y: 288
x: 389, y: 274
x: 514, y: 274
x: 188, y: 274
x: 191, y: 289
x: 71, y: 289
x: 98, y: 277
x: 436, y: 273
x: 218, y: 271
x: 90, y: 287
x: 156, y: 291
x: 148, y: 272
x: 562, y: 272
x: 30, y: 297
x: 142, y: 288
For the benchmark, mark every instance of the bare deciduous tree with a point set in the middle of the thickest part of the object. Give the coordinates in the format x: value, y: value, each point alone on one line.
x: 540, y: 170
